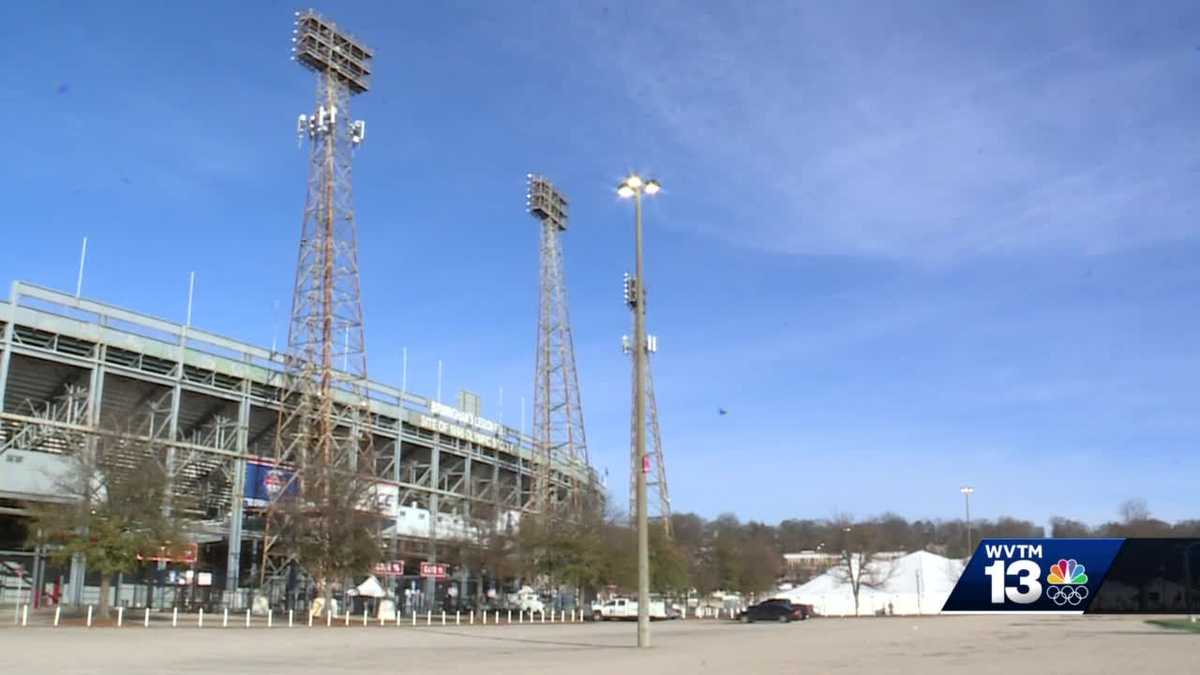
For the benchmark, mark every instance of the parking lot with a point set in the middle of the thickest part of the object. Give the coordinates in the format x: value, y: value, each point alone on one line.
x: 932, y: 645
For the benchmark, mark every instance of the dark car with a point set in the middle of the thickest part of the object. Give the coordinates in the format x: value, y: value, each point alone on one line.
x: 781, y: 611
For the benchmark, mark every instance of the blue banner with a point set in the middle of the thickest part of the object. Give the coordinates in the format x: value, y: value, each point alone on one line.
x: 264, y: 482
x: 1033, y: 575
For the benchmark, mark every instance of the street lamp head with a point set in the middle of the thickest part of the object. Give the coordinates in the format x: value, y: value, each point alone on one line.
x: 652, y: 187
x: 624, y: 191
x: 634, y: 181
x: 966, y: 489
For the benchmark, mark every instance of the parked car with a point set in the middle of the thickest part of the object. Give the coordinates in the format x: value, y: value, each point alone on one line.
x: 774, y: 610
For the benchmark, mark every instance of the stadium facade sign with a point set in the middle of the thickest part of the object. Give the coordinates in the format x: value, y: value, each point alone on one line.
x: 443, y: 410
x: 467, y: 434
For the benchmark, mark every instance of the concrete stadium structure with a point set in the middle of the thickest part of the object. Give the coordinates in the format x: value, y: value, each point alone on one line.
x: 73, y: 369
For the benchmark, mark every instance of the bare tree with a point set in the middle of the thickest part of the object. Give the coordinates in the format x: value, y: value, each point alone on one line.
x: 860, y: 563
x: 491, y: 545
x: 1134, y: 510
x: 331, y: 525
x: 1065, y: 527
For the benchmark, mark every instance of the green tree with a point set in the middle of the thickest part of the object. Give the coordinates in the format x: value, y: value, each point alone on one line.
x: 668, y: 564
x: 567, y: 548
x: 119, y: 504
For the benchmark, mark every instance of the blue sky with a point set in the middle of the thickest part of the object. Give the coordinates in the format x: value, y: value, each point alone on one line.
x: 905, y: 245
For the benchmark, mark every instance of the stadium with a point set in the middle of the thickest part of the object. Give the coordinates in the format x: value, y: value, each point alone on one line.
x: 73, y: 369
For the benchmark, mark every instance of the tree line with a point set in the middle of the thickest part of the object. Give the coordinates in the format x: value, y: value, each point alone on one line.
x: 121, y: 506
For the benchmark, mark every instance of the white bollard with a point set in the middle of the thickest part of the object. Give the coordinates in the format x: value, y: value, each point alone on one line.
x: 291, y: 617
x: 510, y: 616
x: 443, y: 617
x: 89, y: 619
x: 57, y: 614
x: 521, y: 616
x: 25, y: 616
x: 225, y: 618
x: 543, y: 616
x: 457, y: 617
x: 472, y: 617
x: 328, y: 618
x: 270, y: 617
x: 429, y: 617
x: 247, y: 618
x: 310, y: 617
x: 120, y: 617
x: 497, y: 617
x: 200, y: 619
x: 551, y: 615
x: 346, y: 617
x: 364, y: 616
x: 483, y: 618
x: 382, y: 619
x: 414, y: 617
x: 146, y: 619
x: 174, y: 617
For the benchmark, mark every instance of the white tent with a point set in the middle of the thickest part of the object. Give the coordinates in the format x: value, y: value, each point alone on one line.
x: 370, y: 588
x: 917, y: 583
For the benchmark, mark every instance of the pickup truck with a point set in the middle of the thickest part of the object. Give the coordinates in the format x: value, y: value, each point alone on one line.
x: 618, y: 609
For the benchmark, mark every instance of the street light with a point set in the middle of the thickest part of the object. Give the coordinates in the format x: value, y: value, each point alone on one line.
x: 634, y: 186
x: 966, y: 490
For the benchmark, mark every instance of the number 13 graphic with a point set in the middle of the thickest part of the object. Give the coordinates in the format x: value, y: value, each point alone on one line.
x: 1027, y: 590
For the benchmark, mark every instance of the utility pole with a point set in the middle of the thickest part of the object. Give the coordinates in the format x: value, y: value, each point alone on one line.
x: 634, y: 186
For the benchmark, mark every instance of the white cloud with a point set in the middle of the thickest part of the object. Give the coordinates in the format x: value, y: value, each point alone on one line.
x: 896, y: 139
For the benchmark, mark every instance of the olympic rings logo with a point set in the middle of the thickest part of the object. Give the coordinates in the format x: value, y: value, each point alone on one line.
x: 1067, y: 595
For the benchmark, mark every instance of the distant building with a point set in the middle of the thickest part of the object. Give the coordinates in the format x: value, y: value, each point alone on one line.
x: 804, y: 565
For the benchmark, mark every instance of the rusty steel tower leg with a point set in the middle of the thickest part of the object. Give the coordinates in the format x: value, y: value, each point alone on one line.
x: 559, y: 439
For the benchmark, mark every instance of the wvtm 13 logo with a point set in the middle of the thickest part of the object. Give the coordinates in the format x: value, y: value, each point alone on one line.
x: 1033, y: 575
x: 1066, y: 580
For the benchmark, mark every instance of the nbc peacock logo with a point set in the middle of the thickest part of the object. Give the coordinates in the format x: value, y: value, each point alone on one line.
x: 1068, y: 583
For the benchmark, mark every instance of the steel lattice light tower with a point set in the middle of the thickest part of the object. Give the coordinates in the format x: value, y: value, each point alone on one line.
x: 324, y: 396
x: 557, y: 411
x: 653, y: 466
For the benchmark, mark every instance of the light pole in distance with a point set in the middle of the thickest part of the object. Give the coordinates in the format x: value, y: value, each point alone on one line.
x: 966, y: 490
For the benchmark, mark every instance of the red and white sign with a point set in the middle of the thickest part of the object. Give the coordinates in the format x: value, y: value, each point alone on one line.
x: 433, y: 570
x: 394, y: 568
